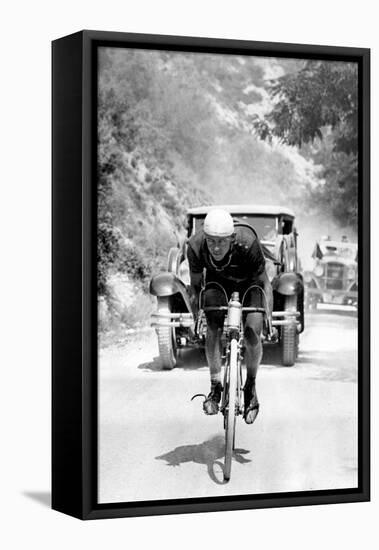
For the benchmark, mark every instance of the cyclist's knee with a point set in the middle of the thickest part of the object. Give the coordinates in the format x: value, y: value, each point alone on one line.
x: 253, y: 325
x: 252, y: 336
x: 253, y: 329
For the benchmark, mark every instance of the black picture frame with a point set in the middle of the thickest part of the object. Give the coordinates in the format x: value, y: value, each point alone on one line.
x: 74, y: 332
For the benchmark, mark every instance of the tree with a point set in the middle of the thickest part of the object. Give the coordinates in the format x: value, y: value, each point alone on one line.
x: 322, y: 94
x: 319, y: 100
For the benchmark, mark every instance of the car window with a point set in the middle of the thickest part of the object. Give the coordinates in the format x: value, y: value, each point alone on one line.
x: 286, y: 225
x: 265, y: 226
x: 341, y: 251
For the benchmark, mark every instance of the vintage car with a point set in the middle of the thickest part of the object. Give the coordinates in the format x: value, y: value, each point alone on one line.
x: 334, y: 276
x: 275, y: 228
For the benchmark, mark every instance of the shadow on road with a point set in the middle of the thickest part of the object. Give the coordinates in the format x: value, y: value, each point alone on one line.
x: 194, y: 359
x: 272, y: 355
x: 153, y: 366
x: 188, y: 359
x: 207, y: 453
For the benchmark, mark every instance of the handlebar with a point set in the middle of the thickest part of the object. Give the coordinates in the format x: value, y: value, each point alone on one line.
x: 243, y: 309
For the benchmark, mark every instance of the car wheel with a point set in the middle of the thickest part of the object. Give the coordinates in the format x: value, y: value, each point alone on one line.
x: 166, y: 338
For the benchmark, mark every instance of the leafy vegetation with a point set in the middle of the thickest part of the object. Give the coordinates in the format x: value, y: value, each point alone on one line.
x: 177, y: 130
x: 319, y: 105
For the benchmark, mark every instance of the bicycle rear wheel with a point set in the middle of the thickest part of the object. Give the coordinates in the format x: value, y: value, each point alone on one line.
x: 230, y: 413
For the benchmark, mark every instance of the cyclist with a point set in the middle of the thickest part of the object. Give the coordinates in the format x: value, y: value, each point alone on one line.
x: 233, y: 261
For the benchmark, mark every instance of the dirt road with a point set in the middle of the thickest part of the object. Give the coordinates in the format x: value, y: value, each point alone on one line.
x: 154, y: 443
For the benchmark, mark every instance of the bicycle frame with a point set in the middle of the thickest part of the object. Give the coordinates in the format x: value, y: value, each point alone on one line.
x: 232, y: 403
x: 224, y: 399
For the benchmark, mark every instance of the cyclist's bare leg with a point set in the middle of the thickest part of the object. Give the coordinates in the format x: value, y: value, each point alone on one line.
x: 252, y: 333
x: 214, y: 297
x: 213, y: 351
x: 253, y: 343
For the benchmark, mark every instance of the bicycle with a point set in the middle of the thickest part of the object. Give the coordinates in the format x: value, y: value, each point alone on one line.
x: 232, y: 401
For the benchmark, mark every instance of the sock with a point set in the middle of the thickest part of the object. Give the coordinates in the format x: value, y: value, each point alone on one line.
x: 250, y: 382
x: 215, y: 379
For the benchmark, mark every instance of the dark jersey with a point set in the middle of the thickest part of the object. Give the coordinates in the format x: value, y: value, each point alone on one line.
x: 243, y: 264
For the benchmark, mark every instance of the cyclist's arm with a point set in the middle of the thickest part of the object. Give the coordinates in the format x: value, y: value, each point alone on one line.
x: 196, y: 273
x: 195, y: 291
x: 258, y: 266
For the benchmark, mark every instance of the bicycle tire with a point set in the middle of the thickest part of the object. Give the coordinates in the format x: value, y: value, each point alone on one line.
x: 230, y: 424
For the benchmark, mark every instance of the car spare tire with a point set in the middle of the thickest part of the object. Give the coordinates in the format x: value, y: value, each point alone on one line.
x: 289, y: 335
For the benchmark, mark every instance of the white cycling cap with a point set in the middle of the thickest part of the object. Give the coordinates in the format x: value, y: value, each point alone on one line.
x: 218, y: 223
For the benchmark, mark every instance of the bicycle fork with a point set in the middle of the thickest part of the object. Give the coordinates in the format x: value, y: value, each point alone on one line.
x: 239, y: 389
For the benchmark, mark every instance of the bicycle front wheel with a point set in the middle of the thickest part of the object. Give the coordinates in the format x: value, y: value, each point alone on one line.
x: 230, y: 419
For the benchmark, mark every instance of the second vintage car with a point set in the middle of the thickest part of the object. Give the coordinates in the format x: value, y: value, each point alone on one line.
x: 275, y: 228
x: 334, y: 276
